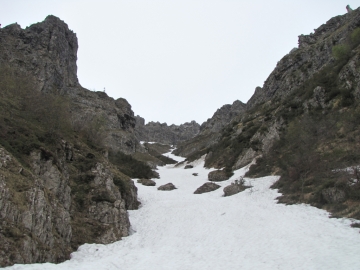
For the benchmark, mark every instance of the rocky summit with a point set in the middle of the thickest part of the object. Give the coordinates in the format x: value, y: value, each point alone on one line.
x: 46, y: 52
x: 162, y: 133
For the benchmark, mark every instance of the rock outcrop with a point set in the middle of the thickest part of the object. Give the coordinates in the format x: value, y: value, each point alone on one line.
x: 47, y: 52
x: 162, y: 133
x: 209, y: 130
x: 222, y: 117
x: 57, y: 194
x: 47, y: 210
x: 313, y: 54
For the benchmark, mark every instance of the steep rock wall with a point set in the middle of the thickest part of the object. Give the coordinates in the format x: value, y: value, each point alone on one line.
x: 210, y: 130
x: 313, y: 54
x: 46, y: 211
x: 47, y: 52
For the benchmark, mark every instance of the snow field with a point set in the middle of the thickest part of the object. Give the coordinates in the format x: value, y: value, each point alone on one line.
x: 181, y: 230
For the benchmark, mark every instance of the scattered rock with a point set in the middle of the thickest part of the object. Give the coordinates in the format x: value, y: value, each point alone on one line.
x: 167, y: 187
x: 188, y: 167
x: 195, y: 174
x: 207, y: 187
x: 217, y: 176
x: 146, y: 182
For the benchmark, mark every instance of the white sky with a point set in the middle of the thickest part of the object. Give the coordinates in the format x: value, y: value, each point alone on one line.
x: 178, y: 60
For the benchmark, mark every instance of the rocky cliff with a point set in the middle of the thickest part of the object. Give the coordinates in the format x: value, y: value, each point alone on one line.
x: 314, y: 52
x: 210, y: 130
x: 47, y: 52
x: 59, y: 200
x: 302, y: 124
x: 58, y: 187
x: 162, y: 133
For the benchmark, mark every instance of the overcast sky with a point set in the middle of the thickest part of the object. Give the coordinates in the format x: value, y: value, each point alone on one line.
x: 178, y: 60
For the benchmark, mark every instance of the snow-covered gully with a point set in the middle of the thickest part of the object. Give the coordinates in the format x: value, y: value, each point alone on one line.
x: 181, y: 230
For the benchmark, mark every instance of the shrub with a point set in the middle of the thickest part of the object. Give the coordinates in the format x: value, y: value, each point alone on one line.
x: 341, y: 51
x: 355, y: 36
x: 130, y: 166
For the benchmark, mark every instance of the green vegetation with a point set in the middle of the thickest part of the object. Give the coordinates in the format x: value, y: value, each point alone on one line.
x: 130, y: 166
x: 316, y: 144
x: 230, y: 146
x: 29, y: 119
x: 156, y: 150
x: 341, y: 51
x: 309, y: 157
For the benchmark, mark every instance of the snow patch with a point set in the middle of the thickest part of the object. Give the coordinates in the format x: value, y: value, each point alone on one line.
x: 181, y: 230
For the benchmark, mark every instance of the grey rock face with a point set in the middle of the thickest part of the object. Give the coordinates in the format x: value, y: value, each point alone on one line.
x: 39, y: 220
x: 207, y: 187
x: 114, y: 116
x: 209, y: 130
x: 318, y: 99
x: 245, y: 159
x: 47, y: 52
x: 217, y: 176
x: 167, y: 187
x: 162, y: 133
x: 108, y: 206
x: 222, y: 117
x: 314, y: 53
x: 34, y: 210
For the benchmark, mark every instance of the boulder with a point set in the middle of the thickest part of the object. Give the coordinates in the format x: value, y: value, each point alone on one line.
x: 146, y: 182
x: 195, y: 174
x: 217, y: 176
x: 188, y: 167
x: 233, y: 189
x: 207, y: 187
x: 167, y: 187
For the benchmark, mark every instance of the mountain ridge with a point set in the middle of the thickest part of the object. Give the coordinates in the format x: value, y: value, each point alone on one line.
x: 65, y: 149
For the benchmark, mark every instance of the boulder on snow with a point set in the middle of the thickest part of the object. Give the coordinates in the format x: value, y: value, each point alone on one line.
x: 188, y: 167
x: 233, y: 189
x: 207, y: 187
x: 195, y: 174
x: 167, y: 187
x: 146, y: 182
x: 217, y: 176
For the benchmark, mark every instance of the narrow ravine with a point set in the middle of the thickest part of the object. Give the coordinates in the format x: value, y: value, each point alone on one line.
x: 181, y: 230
